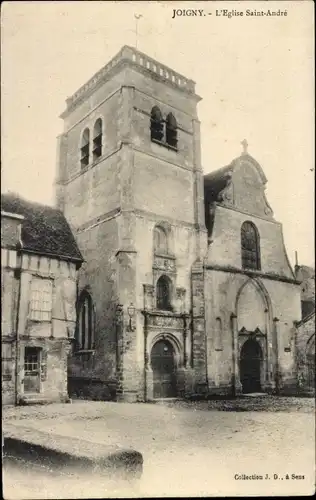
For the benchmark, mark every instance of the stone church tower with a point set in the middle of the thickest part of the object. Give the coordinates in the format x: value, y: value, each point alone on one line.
x: 130, y: 184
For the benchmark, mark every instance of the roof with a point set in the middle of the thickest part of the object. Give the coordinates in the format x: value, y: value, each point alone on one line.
x: 45, y: 229
x: 307, y: 318
x: 216, y: 181
x: 306, y: 272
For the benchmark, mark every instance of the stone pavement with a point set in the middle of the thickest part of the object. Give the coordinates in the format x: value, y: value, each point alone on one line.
x: 189, y: 450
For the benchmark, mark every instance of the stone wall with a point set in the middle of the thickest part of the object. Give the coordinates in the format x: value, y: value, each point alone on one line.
x: 305, y: 353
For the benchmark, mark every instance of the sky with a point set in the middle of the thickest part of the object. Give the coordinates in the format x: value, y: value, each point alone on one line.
x: 255, y: 75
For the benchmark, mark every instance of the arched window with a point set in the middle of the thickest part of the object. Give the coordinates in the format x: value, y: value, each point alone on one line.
x: 84, y: 150
x: 171, y: 131
x: 156, y: 124
x: 85, y: 322
x: 164, y: 293
x: 160, y: 240
x: 250, y: 246
x: 97, y: 139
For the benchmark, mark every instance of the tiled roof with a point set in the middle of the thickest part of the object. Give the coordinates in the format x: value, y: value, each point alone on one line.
x: 45, y: 229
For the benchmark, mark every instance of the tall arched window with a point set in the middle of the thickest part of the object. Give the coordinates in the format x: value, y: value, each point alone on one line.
x: 164, y: 293
x: 156, y: 124
x: 97, y: 139
x: 171, y: 131
x: 84, y: 149
x: 250, y: 246
x: 160, y: 240
x: 85, y: 322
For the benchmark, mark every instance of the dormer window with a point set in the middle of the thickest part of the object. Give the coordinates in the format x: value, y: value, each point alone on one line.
x: 84, y: 150
x: 97, y: 139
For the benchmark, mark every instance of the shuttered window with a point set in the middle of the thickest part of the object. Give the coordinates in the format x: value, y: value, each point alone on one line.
x: 41, y: 299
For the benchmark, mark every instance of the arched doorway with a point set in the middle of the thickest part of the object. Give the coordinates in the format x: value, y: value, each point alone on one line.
x: 250, y: 366
x: 164, y: 370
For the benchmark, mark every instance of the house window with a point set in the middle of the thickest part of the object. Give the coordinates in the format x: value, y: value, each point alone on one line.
x: 160, y: 240
x: 164, y: 293
x: 171, y: 131
x: 85, y: 322
x: 31, y: 360
x: 156, y: 125
x: 41, y: 300
x: 97, y: 139
x: 250, y: 246
x: 84, y: 150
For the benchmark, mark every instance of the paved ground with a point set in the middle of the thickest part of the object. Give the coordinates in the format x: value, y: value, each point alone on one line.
x: 189, y: 449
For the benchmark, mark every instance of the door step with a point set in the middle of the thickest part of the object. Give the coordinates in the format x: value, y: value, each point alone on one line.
x: 255, y: 394
x: 33, y: 400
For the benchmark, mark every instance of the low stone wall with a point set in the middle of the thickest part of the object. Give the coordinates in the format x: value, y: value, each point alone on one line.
x: 91, y: 389
x: 62, y: 453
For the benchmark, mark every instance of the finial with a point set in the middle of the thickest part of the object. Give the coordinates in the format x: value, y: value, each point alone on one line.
x: 137, y: 17
x: 244, y: 144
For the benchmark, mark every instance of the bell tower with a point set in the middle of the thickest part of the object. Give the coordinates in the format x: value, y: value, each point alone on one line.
x: 129, y: 166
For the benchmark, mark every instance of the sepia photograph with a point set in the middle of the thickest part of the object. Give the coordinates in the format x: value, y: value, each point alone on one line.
x: 157, y: 249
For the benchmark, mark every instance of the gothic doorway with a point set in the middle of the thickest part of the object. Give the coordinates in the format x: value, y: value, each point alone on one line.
x: 250, y: 366
x: 164, y: 370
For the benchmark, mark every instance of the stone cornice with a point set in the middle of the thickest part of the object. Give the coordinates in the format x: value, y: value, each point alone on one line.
x: 129, y: 56
x: 251, y: 274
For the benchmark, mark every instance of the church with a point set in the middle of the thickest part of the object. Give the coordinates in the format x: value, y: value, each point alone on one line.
x: 184, y: 287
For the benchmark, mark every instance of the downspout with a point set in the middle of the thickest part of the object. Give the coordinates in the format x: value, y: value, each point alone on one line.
x: 205, y: 336
x: 18, y: 273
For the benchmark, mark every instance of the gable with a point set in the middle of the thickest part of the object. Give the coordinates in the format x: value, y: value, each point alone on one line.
x: 240, y: 185
x: 248, y: 188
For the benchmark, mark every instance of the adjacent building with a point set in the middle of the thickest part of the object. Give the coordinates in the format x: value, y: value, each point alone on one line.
x: 305, y: 339
x: 39, y: 265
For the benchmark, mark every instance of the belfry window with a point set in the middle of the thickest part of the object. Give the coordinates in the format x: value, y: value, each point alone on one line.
x: 156, y: 125
x: 97, y: 139
x: 171, y: 131
x: 85, y: 323
x: 164, y: 293
x: 84, y: 150
x: 160, y: 240
x: 250, y: 246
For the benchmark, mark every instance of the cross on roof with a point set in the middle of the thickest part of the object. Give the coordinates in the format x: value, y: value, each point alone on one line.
x: 244, y: 144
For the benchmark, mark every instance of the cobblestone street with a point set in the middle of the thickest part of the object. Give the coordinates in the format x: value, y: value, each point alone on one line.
x: 189, y: 449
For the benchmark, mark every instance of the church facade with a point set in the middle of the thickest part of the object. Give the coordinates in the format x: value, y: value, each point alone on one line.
x: 186, y: 287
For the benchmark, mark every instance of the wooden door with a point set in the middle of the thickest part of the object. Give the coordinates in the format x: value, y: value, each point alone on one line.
x: 32, y: 369
x: 250, y: 366
x: 164, y: 369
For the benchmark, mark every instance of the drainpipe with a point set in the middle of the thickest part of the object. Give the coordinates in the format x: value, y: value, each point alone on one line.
x: 18, y: 273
